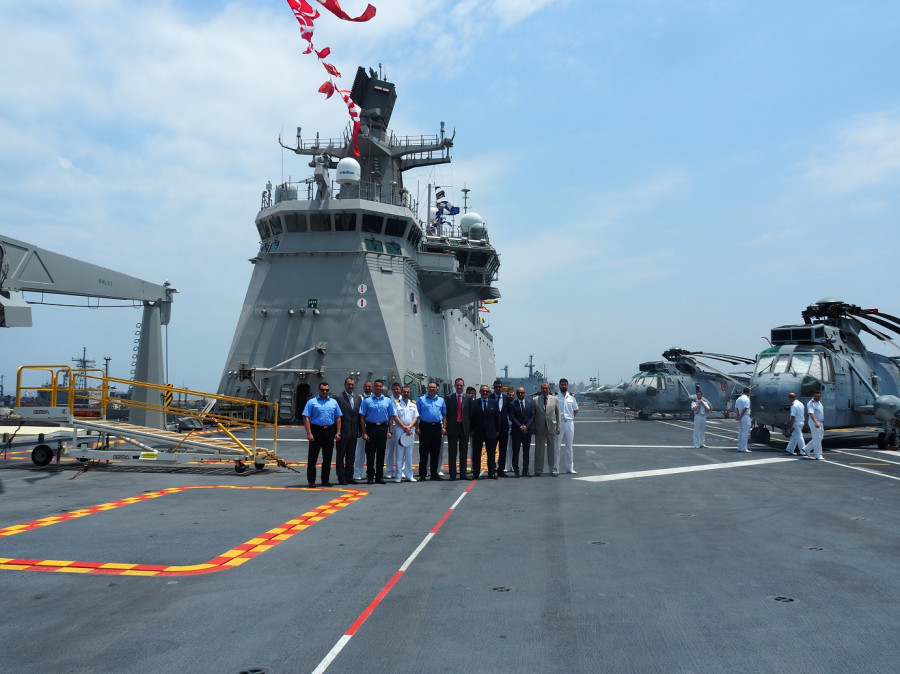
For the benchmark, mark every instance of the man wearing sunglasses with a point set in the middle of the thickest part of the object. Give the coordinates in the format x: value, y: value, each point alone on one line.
x: 322, y: 421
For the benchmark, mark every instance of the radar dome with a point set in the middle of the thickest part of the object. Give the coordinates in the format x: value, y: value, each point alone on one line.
x: 469, y: 220
x: 348, y: 172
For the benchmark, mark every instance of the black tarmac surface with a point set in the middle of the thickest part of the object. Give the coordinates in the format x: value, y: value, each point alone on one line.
x: 770, y: 563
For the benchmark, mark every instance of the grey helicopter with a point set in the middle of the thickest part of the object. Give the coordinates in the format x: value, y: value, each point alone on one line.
x: 670, y: 386
x: 607, y: 394
x: 825, y: 353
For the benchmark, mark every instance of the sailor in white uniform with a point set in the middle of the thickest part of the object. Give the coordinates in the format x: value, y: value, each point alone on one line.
x: 742, y: 414
x: 391, y: 453
x: 406, y: 418
x: 816, y: 424
x: 700, y: 409
x: 798, y: 416
x: 359, y: 467
x: 568, y: 410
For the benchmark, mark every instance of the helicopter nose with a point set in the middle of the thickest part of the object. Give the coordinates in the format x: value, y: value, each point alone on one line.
x: 651, y: 391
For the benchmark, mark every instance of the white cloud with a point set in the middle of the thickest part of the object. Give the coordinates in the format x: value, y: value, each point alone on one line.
x: 864, y: 153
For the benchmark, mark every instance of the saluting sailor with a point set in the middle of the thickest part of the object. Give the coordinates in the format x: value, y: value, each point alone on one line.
x: 700, y: 409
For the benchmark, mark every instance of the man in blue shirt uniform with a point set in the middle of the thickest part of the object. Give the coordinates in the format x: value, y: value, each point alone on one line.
x: 432, y: 425
x: 376, y: 413
x: 322, y: 420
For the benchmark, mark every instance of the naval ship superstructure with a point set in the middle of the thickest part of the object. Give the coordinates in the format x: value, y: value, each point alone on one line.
x: 348, y: 281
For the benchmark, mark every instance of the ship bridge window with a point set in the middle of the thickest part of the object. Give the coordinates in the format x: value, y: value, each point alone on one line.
x: 393, y: 248
x: 295, y: 222
x: 275, y: 224
x: 478, y: 259
x: 345, y: 222
x: 395, y: 227
x: 371, y: 223
x: 374, y: 246
x: 263, y: 228
x: 415, y: 235
x: 319, y: 222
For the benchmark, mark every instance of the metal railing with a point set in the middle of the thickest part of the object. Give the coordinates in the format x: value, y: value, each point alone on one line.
x: 68, y: 392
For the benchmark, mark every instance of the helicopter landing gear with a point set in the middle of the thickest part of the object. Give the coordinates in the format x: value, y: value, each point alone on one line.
x: 759, y: 434
x: 881, y: 440
x: 643, y: 415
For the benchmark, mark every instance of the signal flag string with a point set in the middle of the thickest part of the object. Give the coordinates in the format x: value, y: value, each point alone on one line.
x: 306, y: 16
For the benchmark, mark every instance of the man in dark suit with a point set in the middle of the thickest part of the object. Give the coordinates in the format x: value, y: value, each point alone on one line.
x: 503, y: 436
x: 350, y: 432
x: 459, y: 411
x: 485, y: 426
x: 521, y: 423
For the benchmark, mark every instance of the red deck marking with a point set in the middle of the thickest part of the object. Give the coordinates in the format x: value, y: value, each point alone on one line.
x: 345, y: 638
x: 227, y: 560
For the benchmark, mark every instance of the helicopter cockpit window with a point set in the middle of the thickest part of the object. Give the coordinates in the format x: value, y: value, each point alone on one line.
x: 660, y: 383
x: 781, y: 364
x: 765, y: 363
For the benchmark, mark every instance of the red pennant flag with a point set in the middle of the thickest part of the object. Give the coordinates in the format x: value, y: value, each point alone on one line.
x: 327, y: 89
x: 334, y: 7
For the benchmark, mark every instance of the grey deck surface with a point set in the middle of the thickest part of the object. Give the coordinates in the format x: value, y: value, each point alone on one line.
x: 771, y: 566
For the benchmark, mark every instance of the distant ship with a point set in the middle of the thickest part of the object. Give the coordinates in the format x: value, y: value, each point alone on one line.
x: 350, y: 281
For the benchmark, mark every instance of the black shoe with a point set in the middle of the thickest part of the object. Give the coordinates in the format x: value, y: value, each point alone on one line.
x: 492, y: 477
x: 537, y: 473
x: 326, y: 484
x: 463, y: 476
x: 517, y: 472
x: 352, y: 481
x: 370, y: 480
x: 474, y: 476
x: 526, y: 474
x: 453, y: 478
x: 436, y: 477
x: 312, y: 485
x: 342, y: 481
x: 380, y: 480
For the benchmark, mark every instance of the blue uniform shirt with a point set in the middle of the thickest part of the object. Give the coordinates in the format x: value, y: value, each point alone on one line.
x: 322, y: 411
x: 377, y: 410
x: 431, y: 410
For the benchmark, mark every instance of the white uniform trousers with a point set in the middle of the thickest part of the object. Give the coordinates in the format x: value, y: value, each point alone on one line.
x: 404, y: 460
x: 564, y: 447
x: 508, y: 467
x: 390, y: 455
x: 796, y: 441
x: 699, y: 430
x: 815, y: 443
x: 359, y: 464
x: 743, y: 433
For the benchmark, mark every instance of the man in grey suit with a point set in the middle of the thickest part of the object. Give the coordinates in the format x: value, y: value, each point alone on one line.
x: 546, y: 428
x: 459, y: 411
x: 350, y: 432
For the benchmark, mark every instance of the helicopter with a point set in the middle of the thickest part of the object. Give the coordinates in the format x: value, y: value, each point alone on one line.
x: 607, y: 394
x: 826, y: 354
x: 670, y: 386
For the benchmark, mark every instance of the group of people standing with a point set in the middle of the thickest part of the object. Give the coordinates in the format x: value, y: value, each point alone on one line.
x: 381, y: 429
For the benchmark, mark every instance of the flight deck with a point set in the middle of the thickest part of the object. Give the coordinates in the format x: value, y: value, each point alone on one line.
x: 655, y: 556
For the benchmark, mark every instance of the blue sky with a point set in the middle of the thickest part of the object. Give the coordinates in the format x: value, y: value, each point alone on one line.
x: 653, y: 173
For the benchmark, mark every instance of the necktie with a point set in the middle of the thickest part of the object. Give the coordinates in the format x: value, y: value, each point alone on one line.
x: 522, y: 405
x: 545, y: 402
x: 483, y: 405
x: 458, y: 407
